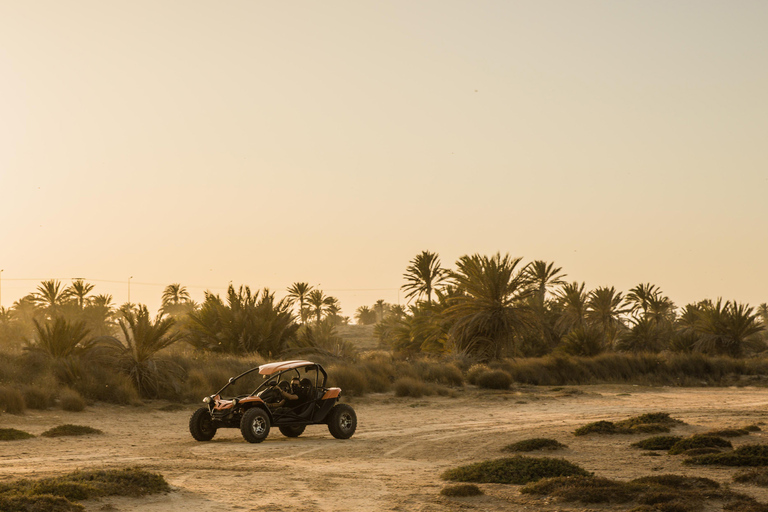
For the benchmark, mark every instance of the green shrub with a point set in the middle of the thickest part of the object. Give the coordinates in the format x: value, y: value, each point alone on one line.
x: 461, y: 490
x: 597, y: 427
x: 645, y: 423
x: 11, y: 434
x: 494, y: 379
x: 747, y: 455
x: 43, y: 503
x: 699, y: 441
x: 70, y: 400
x: 585, y: 489
x: 513, y: 470
x: 442, y: 373
x: 657, y: 443
x: 407, y: 386
x: 37, y: 397
x: 70, y: 430
x: 751, y: 428
x: 11, y: 400
x: 701, y: 451
x: 536, y: 443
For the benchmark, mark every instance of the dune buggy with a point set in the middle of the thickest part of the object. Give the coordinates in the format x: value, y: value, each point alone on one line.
x: 255, y: 413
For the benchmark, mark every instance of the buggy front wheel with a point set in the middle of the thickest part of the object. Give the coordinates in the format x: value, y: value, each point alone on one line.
x: 342, y: 421
x: 201, y: 425
x: 255, y: 425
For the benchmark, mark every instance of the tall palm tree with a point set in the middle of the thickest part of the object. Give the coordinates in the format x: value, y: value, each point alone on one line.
x: 50, y: 295
x: 299, y: 293
x: 79, y: 289
x: 365, y: 316
x: 493, y: 310
x: 175, y: 294
x: 60, y: 338
x: 380, y: 308
x: 641, y: 296
x: 423, y: 275
x: 572, y: 300
x: 728, y: 329
x: 543, y: 276
x: 319, y: 303
x: 605, y: 308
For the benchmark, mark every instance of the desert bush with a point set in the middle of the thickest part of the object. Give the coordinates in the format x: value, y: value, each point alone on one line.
x: 645, y: 423
x: 728, y: 432
x: 474, y: 372
x: 379, y: 373
x: 513, y: 470
x: 349, y: 379
x: 537, y: 443
x: 756, y: 476
x: 37, y: 397
x: 657, y: 443
x: 70, y: 430
x: 11, y: 434
x: 751, y: 428
x: 747, y: 455
x: 407, y: 386
x: 699, y: 441
x: 442, y: 373
x: 494, y: 379
x: 667, y: 493
x: 11, y: 400
x: 70, y: 400
x: 461, y: 490
x: 701, y: 451
x: 102, y: 384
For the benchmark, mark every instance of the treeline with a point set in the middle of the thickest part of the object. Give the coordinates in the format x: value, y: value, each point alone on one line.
x: 490, y: 307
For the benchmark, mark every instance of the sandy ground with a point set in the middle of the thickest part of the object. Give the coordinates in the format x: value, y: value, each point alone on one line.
x: 394, y: 460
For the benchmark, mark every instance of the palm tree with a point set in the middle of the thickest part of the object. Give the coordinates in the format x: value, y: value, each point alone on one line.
x: 175, y: 294
x: 50, y: 295
x: 319, y: 303
x: 423, y: 275
x: 299, y: 292
x: 143, y: 338
x: 365, y: 316
x: 641, y: 296
x: 492, y: 311
x: 60, y: 339
x: 728, y: 329
x: 605, y: 307
x: 381, y: 308
x: 572, y: 300
x: 543, y: 276
x: 79, y: 289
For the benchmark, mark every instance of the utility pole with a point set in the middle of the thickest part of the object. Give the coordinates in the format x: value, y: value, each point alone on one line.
x: 129, y: 289
x: 1, y: 287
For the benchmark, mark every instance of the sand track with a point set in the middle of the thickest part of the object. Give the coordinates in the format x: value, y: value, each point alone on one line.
x: 394, y: 460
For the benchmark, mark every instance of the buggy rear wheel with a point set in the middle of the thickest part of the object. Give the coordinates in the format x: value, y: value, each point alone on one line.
x: 201, y: 425
x: 255, y: 425
x: 342, y: 421
x: 290, y: 431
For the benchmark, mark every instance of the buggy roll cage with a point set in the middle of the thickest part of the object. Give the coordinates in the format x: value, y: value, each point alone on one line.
x: 273, y: 372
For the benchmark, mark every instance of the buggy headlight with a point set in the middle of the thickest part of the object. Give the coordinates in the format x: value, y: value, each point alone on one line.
x: 207, y: 399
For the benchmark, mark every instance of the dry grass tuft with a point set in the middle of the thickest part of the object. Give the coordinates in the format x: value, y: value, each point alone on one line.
x: 70, y: 400
x: 70, y: 430
x: 514, y: 470
x: 11, y: 434
x: 408, y: 386
x: 461, y: 490
x: 37, y: 396
x: 11, y: 400
x: 536, y: 443
x: 756, y: 476
x: 494, y: 379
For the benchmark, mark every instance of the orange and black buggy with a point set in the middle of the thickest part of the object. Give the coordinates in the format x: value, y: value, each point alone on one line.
x: 256, y: 412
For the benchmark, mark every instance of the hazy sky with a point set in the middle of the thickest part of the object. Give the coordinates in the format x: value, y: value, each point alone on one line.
x: 265, y: 143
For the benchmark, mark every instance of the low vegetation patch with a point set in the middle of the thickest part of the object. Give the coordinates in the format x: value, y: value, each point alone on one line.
x: 60, y: 494
x: 699, y: 441
x: 11, y: 400
x: 645, y: 423
x: 657, y: 442
x: 756, y: 476
x: 728, y: 432
x: 11, y: 434
x: 701, y: 451
x: 70, y: 430
x: 513, y: 470
x: 751, y: 428
x: 70, y: 400
x: 537, y: 443
x: 748, y: 455
x: 461, y: 490
x: 660, y: 492
x: 494, y: 379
